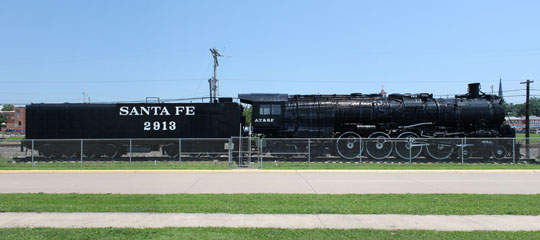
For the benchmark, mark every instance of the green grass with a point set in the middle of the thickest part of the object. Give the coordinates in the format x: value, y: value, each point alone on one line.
x: 8, y: 164
x: 448, y: 204
x: 251, y: 233
x: 15, y: 138
x: 533, y: 137
x: 402, y: 165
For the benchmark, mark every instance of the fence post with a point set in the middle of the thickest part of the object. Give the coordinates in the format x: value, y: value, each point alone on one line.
x: 260, y: 152
x: 514, y: 151
x: 230, y: 151
x: 249, y: 153
x: 360, y: 150
x: 82, y: 151
x: 179, y: 150
x: 410, y: 152
x: 462, y: 153
x: 130, y: 152
x: 527, y: 150
x: 309, y: 152
x: 33, y: 164
x: 240, y: 163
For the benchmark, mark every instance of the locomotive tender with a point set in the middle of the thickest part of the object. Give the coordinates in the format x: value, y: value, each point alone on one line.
x: 378, y: 125
x: 97, y: 123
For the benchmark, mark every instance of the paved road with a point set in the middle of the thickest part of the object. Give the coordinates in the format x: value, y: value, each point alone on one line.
x: 272, y: 182
x: 335, y: 221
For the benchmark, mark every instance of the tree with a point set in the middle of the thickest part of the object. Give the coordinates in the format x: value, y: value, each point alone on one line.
x: 8, y: 107
x: 247, y: 113
x: 517, y: 110
x: 535, y: 106
x: 3, y: 120
x: 509, y: 108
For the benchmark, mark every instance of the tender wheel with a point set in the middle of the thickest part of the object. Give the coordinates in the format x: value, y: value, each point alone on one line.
x: 499, y: 152
x: 58, y: 150
x: 71, y: 150
x: 92, y: 151
x: 440, y: 149
x: 46, y: 150
x: 378, y: 145
x: 110, y: 150
x: 171, y: 150
x: 71, y: 153
x: 466, y: 152
x: 403, y: 146
x: 349, y: 145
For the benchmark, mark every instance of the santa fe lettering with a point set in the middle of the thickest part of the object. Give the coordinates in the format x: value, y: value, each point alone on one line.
x: 185, y: 110
x: 156, y: 111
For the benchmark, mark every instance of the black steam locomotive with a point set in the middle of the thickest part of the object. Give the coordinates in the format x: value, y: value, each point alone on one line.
x: 373, y: 125
x: 379, y: 118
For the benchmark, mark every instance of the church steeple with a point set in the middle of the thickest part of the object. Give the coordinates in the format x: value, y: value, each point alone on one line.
x: 500, y: 88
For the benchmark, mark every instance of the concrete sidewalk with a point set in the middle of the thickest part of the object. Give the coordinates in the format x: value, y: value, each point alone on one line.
x: 328, y: 182
x: 290, y: 221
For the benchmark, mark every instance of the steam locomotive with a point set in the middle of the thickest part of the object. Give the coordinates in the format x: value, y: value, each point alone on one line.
x: 379, y: 118
x: 364, y: 124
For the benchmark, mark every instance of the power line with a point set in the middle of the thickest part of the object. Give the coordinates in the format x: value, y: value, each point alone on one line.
x: 355, y: 81
x: 102, y: 81
x: 514, y: 90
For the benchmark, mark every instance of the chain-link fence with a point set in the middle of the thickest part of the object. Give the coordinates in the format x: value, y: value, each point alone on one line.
x: 261, y: 152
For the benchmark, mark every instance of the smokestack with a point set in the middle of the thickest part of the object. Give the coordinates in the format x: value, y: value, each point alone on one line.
x: 474, y: 90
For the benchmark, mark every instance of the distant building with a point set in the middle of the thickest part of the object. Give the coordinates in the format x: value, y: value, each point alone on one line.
x: 383, y: 92
x: 16, y: 121
x: 518, y: 123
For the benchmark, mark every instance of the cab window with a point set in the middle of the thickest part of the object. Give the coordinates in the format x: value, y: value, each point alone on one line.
x: 276, y: 109
x: 264, y: 109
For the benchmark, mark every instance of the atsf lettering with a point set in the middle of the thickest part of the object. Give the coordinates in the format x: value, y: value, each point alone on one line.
x: 157, y: 111
x: 264, y: 120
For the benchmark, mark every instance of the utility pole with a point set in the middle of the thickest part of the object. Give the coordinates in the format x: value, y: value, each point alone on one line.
x: 527, y: 134
x: 213, y: 82
x: 85, y: 97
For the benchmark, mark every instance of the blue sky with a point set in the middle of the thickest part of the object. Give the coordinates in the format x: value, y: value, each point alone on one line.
x: 52, y: 51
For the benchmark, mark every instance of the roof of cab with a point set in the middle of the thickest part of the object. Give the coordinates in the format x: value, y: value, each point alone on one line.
x: 262, y: 97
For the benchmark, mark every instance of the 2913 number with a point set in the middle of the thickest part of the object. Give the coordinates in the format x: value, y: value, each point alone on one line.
x: 159, y: 126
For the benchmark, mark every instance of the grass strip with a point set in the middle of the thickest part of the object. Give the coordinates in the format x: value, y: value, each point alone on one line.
x: 446, y: 204
x: 396, y: 166
x: 252, y: 233
x: 533, y: 137
x: 8, y: 164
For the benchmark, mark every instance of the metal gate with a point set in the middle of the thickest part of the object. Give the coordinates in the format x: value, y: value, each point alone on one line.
x: 245, y: 152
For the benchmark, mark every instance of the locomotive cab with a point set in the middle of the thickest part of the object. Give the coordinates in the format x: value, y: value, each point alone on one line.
x: 267, y: 113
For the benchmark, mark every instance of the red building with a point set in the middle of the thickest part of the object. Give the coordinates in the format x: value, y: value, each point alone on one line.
x: 518, y: 123
x: 16, y: 121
